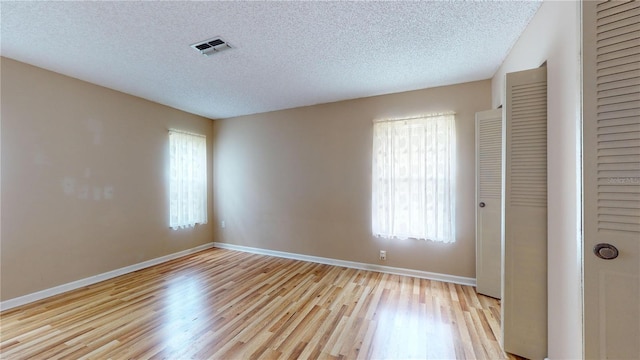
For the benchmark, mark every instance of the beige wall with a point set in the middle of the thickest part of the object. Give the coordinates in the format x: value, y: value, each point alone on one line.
x: 553, y: 35
x: 299, y: 180
x: 59, y: 131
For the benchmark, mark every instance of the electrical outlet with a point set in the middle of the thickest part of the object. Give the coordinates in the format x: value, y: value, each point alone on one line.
x: 222, y: 224
x: 383, y: 255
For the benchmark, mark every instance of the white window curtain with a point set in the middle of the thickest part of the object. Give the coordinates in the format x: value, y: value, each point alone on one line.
x: 187, y: 179
x: 414, y: 178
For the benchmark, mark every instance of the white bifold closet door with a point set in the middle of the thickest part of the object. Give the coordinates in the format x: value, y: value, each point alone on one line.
x: 489, y: 202
x: 524, y: 302
x: 611, y: 172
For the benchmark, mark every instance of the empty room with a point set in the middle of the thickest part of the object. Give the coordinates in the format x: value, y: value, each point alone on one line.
x: 320, y: 180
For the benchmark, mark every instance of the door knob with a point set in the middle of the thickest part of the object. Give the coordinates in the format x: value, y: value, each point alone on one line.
x: 482, y: 204
x: 605, y: 251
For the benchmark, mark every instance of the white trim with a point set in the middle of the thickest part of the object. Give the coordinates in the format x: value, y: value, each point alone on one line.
x: 39, y: 295
x: 417, y: 117
x: 351, y: 264
x: 186, y: 133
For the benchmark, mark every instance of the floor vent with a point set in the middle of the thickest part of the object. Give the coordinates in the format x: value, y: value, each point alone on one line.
x: 211, y: 46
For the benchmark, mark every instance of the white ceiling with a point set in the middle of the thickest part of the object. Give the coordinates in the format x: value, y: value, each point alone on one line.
x: 286, y: 54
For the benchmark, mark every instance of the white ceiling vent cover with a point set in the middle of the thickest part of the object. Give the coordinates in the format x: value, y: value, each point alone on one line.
x: 211, y: 46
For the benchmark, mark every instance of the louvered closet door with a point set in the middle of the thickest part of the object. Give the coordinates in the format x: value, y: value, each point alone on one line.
x: 489, y: 202
x: 524, y: 302
x: 611, y: 171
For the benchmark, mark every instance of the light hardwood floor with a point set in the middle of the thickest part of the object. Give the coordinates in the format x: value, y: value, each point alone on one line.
x: 225, y: 304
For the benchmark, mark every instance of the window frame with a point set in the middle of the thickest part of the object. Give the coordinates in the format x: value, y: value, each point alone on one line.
x: 408, y: 219
x: 188, y: 179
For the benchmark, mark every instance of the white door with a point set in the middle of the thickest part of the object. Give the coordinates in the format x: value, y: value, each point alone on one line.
x: 524, y: 299
x: 489, y: 202
x: 611, y: 171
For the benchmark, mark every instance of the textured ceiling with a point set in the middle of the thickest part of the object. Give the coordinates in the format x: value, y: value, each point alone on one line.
x: 286, y: 54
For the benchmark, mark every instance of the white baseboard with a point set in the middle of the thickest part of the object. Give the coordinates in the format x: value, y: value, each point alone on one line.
x: 351, y: 264
x: 39, y: 295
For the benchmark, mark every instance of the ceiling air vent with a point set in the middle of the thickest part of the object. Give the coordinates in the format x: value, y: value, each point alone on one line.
x: 211, y: 46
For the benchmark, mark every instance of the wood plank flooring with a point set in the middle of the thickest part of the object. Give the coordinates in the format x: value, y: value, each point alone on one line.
x: 223, y: 304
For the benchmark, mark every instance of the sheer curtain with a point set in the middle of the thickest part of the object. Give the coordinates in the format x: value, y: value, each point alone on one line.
x: 187, y: 179
x: 414, y: 178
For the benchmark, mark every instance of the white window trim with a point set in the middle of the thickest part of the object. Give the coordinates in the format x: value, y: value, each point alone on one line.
x: 413, y: 207
x: 187, y: 179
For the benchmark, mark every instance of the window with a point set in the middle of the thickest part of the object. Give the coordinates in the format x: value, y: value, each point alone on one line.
x: 414, y: 178
x: 187, y: 179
